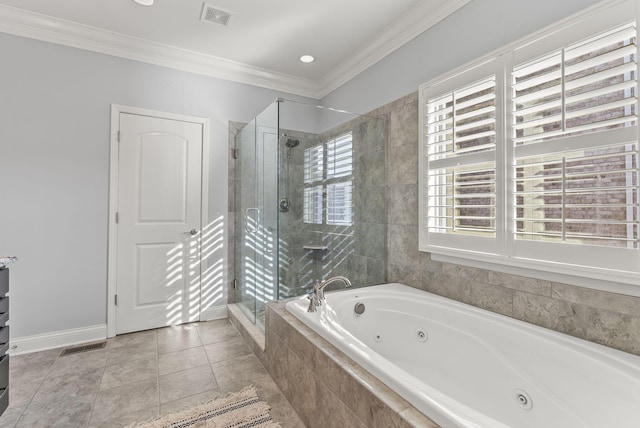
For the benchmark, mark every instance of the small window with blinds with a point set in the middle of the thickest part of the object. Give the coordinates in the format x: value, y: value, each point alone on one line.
x: 340, y: 157
x: 312, y: 207
x: 460, y: 130
x: 339, y: 184
x: 339, y: 203
x: 328, y: 172
x: 312, y: 204
x: 535, y: 166
x: 313, y: 164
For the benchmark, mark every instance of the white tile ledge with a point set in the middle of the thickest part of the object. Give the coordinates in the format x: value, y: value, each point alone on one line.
x: 254, y: 332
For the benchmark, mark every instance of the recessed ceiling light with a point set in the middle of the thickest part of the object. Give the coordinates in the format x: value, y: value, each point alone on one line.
x: 144, y: 2
x: 307, y: 58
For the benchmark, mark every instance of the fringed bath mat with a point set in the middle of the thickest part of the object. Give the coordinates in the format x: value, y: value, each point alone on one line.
x: 238, y: 410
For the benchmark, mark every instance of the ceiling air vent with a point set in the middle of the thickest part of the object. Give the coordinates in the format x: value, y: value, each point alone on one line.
x: 214, y: 15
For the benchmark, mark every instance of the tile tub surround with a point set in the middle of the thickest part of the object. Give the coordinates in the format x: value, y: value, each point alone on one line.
x: 324, y: 386
x: 606, y: 318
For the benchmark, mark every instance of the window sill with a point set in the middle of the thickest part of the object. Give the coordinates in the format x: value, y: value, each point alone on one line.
x: 621, y: 282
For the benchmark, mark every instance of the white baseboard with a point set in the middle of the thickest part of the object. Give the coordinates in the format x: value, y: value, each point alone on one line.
x: 56, y: 339
x: 214, y: 313
x: 59, y: 339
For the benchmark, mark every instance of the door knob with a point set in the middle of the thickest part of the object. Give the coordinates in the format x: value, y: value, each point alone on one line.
x: 192, y: 232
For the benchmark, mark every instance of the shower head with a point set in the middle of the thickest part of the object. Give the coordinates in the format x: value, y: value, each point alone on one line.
x: 291, y: 143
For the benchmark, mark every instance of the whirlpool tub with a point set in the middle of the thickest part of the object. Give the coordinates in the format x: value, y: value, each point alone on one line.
x: 467, y: 367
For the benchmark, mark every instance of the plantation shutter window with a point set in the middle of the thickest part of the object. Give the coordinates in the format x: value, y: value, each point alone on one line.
x: 576, y: 153
x: 530, y: 159
x: 584, y: 88
x: 460, y: 136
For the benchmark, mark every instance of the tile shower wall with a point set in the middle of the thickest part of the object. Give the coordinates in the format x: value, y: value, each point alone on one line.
x: 356, y: 251
x: 607, y: 318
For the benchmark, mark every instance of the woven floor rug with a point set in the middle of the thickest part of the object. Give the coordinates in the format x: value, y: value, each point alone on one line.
x: 237, y: 410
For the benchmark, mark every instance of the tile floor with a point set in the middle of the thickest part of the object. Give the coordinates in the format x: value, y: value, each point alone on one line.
x: 138, y: 376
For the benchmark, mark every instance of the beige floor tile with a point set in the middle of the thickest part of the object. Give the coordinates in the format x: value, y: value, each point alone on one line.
x: 214, y: 333
x: 178, y: 340
x: 181, y: 360
x: 175, y: 386
x: 233, y: 375
x: 190, y: 401
x: 137, y: 376
x: 22, y: 392
x: 126, y: 354
x: 27, y: 374
x: 65, y: 387
x: 133, y: 346
x: 70, y: 364
x: 232, y: 348
x: 11, y: 416
x: 42, y: 359
x: 74, y: 413
x: 176, y: 329
x: 129, y: 372
x: 147, y: 338
x: 115, y: 402
x: 125, y: 420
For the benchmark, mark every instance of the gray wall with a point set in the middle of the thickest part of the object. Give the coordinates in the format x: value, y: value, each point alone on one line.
x: 477, y: 29
x: 54, y: 168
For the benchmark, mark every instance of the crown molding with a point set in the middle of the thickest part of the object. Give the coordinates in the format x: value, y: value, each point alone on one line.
x: 20, y: 22
x: 413, y: 23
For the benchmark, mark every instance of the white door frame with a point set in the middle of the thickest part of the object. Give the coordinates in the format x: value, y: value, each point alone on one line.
x: 116, y: 110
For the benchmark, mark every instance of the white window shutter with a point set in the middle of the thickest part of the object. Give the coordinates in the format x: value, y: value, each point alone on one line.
x: 460, y: 147
x: 577, y: 181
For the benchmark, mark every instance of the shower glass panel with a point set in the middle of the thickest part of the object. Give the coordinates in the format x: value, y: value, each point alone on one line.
x: 256, y: 214
x: 334, y: 180
x: 310, y: 202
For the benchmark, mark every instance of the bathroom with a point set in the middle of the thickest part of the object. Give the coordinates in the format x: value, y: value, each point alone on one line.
x: 61, y: 176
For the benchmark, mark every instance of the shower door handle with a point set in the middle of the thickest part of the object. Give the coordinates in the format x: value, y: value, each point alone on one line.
x: 247, y: 227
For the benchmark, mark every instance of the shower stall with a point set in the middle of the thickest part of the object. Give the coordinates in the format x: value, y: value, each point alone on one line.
x: 309, y: 202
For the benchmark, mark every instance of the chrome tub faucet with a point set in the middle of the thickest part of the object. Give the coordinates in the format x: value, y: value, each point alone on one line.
x: 316, y: 297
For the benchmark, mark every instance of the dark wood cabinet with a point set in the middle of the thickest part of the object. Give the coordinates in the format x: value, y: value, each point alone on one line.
x: 4, y: 339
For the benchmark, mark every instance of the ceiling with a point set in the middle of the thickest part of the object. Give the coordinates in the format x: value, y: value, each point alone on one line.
x: 263, y: 39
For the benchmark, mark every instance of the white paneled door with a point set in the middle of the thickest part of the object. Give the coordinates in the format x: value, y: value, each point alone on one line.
x: 158, y: 222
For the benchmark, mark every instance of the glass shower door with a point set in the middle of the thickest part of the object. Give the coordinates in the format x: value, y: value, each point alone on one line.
x: 256, y: 223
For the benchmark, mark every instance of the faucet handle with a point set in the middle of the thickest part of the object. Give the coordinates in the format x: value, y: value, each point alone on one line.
x: 319, y: 292
x: 313, y: 302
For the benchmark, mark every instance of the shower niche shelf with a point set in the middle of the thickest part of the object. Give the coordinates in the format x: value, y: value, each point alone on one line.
x: 315, y: 247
